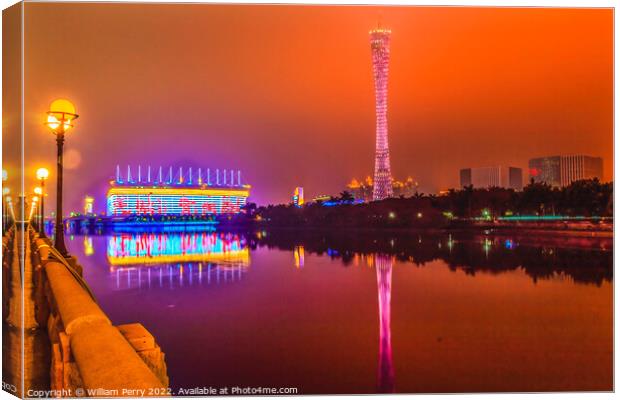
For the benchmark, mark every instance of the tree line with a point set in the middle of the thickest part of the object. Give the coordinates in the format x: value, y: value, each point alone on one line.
x: 581, y: 198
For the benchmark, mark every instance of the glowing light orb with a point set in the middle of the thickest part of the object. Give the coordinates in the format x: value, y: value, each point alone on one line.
x: 61, y: 112
x: 42, y: 173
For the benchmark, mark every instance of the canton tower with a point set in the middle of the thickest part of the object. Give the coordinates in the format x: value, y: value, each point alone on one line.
x: 380, y: 47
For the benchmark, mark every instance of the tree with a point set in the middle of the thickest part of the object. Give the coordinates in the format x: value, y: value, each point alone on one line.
x: 250, y: 208
x: 346, y: 197
x: 536, y: 196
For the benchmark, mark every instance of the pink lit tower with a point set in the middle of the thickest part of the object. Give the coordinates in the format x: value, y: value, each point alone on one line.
x: 380, y: 47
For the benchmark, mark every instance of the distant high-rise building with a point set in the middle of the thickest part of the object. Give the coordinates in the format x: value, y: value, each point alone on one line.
x: 485, y: 177
x: 380, y: 47
x: 88, y: 205
x: 298, y: 196
x: 563, y: 170
x: 577, y: 167
x: 465, y: 176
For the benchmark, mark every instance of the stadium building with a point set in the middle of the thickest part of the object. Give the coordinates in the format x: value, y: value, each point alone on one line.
x: 177, y: 194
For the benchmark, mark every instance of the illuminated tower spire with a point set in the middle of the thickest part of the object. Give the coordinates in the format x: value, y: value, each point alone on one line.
x: 380, y: 47
x: 385, y: 373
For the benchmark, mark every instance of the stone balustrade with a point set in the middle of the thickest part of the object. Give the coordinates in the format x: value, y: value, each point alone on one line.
x: 89, y: 355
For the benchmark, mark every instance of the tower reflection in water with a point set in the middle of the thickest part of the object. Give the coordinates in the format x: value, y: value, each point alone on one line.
x: 385, y: 374
x: 176, y: 260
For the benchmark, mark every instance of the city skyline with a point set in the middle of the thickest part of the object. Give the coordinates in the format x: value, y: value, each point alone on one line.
x: 251, y: 199
x: 464, y: 90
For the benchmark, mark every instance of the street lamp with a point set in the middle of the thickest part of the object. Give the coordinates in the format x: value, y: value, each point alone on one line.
x: 42, y: 175
x: 33, y: 208
x: 37, y: 216
x: 59, y: 119
x: 5, y: 211
x: 5, y: 192
x: 9, y: 206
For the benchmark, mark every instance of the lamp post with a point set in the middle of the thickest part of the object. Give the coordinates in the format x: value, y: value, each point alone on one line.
x: 42, y: 175
x: 10, y: 214
x: 59, y: 118
x: 37, y: 215
x: 34, y: 207
x: 5, y: 211
x: 5, y: 192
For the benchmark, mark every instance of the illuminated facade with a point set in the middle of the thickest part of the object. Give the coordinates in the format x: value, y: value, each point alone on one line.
x: 321, y: 198
x: 182, y: 194
x: 88, y: 205
x: 298, y: 196
x: 380, y: 47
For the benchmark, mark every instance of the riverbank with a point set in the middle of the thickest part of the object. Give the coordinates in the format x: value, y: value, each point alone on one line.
x: 584, y: 229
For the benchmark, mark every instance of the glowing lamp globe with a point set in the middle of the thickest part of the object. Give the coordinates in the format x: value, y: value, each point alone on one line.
x: 60, y: 115
x: 5, y: 175
x: 38, y: 190
x: 6, y: 191
x: 42, y: 173
x: 35, y: 199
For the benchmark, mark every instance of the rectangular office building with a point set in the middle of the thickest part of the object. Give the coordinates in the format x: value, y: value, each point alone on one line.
x: 546, y: 169
x: 575, y: 168
x: 563, y: 170
x: 485, y: 177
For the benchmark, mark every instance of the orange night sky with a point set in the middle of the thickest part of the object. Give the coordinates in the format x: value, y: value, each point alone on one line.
x: 285, y: 93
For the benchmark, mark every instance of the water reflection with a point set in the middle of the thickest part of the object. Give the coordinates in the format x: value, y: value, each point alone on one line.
x: 383, y: 266
x: 175, y: 260
x: 299, y: 256
x: 149, y: 248
x: 176, y: 276
x: 580, y: 259
x: 89, y: 250
x: 296, y: 310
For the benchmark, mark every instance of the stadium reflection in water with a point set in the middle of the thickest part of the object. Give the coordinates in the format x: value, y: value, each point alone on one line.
x: 140, y: 260
x: 360, y: 313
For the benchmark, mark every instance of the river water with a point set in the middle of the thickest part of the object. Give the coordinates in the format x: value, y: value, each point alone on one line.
x: 363, y: 313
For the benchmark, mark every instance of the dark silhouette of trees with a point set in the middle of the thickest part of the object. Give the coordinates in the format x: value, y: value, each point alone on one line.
x: 582, y: 198
x: 249, y: 208
x: 346, y: 197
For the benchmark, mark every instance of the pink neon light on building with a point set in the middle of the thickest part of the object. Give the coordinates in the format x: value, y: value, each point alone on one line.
x: 380, y: 47
x: 385, y: 373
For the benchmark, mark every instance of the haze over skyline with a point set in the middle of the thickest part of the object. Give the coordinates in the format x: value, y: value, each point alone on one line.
x: 285, y: 93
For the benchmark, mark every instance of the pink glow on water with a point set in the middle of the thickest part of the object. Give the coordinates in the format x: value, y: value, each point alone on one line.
x: 383, y: 265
